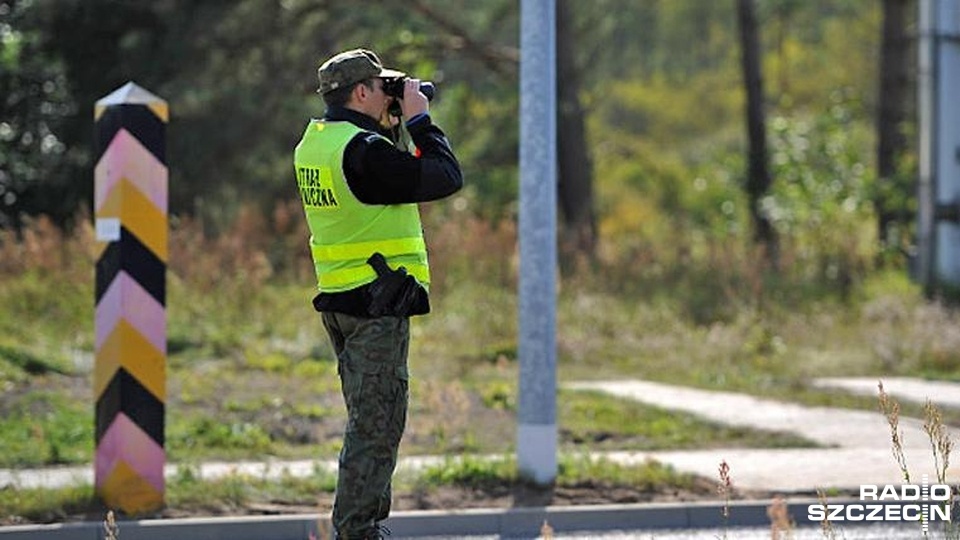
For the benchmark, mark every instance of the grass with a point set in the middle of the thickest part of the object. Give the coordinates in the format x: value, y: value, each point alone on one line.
x: 188, y: 493
x: 598, y: 421
x: 189, y: 490
x: 45, y: 428
x: 251, y: 374
x: 572, y: 470
x: 40, y: 505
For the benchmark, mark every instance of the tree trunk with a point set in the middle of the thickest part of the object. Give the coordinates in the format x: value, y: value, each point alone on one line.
x: 758, y: 173
x: 575, y: 167
x: 893, y: 102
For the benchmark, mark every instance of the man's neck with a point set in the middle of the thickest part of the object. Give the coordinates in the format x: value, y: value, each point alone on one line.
x: 349, y: 114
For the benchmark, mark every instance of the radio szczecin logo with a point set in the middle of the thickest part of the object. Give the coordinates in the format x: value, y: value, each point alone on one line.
x: 922, y: 503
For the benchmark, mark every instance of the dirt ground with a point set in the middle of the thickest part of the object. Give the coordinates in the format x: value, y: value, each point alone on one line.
x: 436, y: 498
x: 505, y: 496
x: 587, y: 493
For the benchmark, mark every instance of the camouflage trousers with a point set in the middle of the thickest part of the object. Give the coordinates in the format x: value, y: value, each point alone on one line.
x: 372, y: 363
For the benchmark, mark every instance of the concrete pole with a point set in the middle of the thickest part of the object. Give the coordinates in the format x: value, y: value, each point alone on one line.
x: 926, y: 115
x: 537, y: 423
x: 130, y: 208
x: 939, y: 109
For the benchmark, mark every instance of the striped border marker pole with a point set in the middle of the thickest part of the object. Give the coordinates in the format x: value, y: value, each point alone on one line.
x: 130, y: 207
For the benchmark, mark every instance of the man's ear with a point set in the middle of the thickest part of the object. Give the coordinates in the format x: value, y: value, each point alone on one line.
x: 360, y: 92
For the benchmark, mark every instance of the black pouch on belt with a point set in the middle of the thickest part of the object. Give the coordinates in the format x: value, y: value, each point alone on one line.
x: 394, y: 292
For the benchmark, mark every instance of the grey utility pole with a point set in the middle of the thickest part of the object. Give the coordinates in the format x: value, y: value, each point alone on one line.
x: 537, y: 415
x: 938, y: 195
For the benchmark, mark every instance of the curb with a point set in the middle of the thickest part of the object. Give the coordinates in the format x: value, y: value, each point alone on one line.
x: 505, y: 523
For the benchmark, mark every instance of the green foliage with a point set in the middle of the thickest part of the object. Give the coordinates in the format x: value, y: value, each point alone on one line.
x: 898, y: 195
x: 666, y: 73
x: 486, y: 143
x: 35, y: 108
x: 677, y: 38
x: 821, y: 201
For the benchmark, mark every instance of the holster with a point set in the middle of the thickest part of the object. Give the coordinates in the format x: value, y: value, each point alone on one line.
x: 394, y: 292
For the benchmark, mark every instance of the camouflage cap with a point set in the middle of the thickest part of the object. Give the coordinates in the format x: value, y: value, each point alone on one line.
x: 351, y: 67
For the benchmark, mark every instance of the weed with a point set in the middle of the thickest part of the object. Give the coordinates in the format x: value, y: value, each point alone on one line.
x: 546, y: 531
x: 725, y: 490
x: 111, y: 530
x: 826, y: 526
x: 940, y: 443
x: 324, y: 526
x: 891, y: 410
x: 942, y: 446
x: 781, y: 524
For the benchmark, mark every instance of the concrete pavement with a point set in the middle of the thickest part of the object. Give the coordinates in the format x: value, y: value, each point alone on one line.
x: 943, y: 393
x: 857, y: 444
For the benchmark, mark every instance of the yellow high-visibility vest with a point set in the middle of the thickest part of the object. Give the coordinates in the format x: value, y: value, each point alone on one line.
x: 344, y: 232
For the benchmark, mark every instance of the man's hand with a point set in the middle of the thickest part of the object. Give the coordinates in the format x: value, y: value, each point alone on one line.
x: 413, y: 102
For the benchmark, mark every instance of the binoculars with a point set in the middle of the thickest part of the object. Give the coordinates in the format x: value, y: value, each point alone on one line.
x: 394, y: 88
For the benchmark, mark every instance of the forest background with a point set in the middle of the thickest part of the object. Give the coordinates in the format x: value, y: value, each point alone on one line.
x: 664, y: 273
x: 651, y: 97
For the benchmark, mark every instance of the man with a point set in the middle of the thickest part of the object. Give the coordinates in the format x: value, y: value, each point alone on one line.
x: 360, y: 188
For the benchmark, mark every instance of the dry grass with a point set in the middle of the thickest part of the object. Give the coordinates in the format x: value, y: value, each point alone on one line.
x: 826, y: 526
x: 781, y: 524
x: 940, y: 443
x: 890, y: 408
x: 41, y: 247
x: 725, y: 491
x: 111, y: 530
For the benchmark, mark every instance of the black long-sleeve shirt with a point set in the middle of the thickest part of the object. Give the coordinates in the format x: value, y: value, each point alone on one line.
x: 377, y: 172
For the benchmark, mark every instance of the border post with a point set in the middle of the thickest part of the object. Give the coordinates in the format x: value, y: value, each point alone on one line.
x: 130, y: 210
